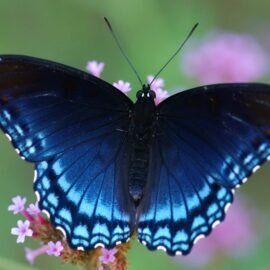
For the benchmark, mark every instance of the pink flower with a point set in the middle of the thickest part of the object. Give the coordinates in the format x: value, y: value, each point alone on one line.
x: 225, y: 57
x: 18, y: 205
x: 22, y: 230
x: 95, y: 68
x: 54, y: 249
x: 160, y: 95
x: 107, y: 256
x: 122, y: 86
x: 33, y: 209
x: 43, y: 230
x: 31, y: 255
x: 235, y: 236
x: 156, y: 84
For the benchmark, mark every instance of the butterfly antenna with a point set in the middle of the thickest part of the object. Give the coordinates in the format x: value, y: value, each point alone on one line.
x: 177, y: 51
x: 122, y: 51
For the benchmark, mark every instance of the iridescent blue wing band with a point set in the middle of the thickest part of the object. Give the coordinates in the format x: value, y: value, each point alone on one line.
x: 208, y: 141
x: 74, y: 127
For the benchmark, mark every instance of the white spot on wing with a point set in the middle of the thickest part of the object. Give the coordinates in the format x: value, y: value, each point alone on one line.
x: 214, y: 225
x: 161, y: 248
x: 199, y: 237
x: 35, y: 176
x: 8, y: 136
x: 118, y: 243
x: 80, y: 248
x: 59, y: 228
x: 178, y: 253
x: 37, y: 196
x: 144, y: 243
x: 227, y: 207
x: 256, y: 168
x: 244, y: 180
x: 46, y: 213
x: 99, y: 245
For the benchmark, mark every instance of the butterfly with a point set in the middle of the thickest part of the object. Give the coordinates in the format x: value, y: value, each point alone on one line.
x: 107, y: 167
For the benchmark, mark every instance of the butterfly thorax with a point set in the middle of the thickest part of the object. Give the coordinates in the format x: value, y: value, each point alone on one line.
x: 141, y: 131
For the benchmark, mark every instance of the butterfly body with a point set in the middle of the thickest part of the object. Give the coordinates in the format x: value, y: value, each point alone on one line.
x: 106, y: 167
x: 142, y: 130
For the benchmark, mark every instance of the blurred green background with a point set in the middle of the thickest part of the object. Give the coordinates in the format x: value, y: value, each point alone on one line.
x: 73, y: 32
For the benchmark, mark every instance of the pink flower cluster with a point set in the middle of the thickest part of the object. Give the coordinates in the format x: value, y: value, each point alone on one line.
x: 158, y: 87
x: 107, y: 256
x: 96, y: 68
x: 225, y: 57
x: 28, y: 228
x: 54, y: 243
x: 108, y: 259
x: 52, y: 249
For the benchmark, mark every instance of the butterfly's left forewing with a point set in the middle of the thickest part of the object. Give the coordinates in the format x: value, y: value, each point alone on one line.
x: 73, y: 126
x: 208, y: 141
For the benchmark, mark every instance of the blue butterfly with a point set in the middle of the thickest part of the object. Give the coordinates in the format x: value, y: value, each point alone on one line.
x: 106, y: 167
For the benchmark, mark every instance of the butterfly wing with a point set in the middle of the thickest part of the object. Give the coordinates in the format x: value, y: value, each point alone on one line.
x: 208, y: 141
x: 84, y: 190
x: 73, y: 126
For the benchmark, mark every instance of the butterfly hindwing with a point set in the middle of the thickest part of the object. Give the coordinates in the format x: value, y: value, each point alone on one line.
x: 182, y: 202
x: 85, y: 190
x: 208, y: 141
x: 74, y: 127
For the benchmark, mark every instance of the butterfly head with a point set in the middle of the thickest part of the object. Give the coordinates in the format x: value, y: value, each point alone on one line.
x: 146, y: 93
x: 143, y: 112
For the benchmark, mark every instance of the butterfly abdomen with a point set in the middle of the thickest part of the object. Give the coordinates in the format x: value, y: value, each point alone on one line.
x: 138, y: 168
